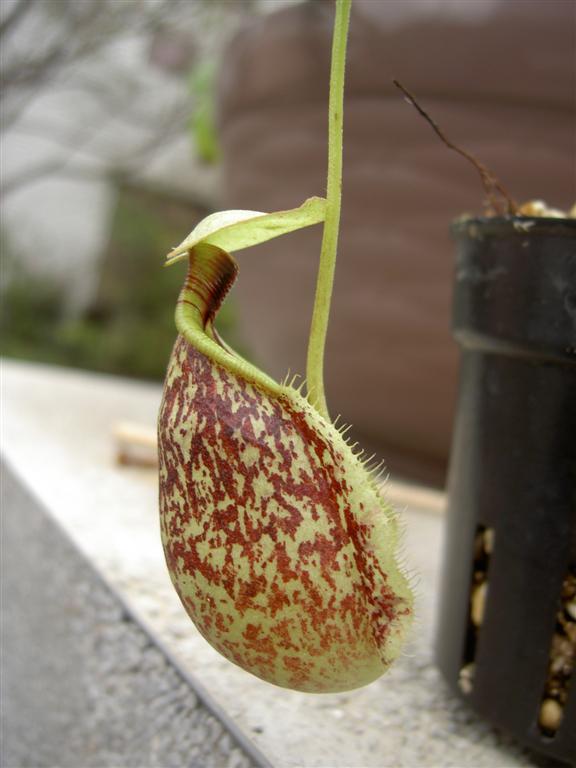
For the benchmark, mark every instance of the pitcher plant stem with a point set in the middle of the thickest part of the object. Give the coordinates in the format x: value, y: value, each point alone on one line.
x: 325, y: 280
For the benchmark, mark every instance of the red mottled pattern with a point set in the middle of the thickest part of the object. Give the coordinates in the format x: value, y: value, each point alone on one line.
x: 269, y: 559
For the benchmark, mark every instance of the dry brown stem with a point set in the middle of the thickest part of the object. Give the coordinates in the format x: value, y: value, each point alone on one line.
x: 500, y: 200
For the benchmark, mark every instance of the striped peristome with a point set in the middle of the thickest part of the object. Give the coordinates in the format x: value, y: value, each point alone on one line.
x: 277, y: 537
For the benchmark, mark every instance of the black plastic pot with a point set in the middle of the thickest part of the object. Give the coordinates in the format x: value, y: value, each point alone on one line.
x: 507, y: 629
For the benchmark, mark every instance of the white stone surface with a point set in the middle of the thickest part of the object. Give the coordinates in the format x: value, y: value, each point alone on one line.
x: 57, y: 432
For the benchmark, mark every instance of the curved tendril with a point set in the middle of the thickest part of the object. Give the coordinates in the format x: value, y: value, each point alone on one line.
x: 321, y: 312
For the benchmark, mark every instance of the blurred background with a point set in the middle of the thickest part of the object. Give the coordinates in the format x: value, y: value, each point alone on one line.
x: 125, y: 122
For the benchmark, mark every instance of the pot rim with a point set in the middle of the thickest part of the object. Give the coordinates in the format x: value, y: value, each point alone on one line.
x: 505, y: 226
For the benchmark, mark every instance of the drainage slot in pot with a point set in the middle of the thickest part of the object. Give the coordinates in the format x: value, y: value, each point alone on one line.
x: 483, y: 549
x: 562, y: 659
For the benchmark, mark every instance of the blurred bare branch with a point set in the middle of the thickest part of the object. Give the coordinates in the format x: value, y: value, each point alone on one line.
x: 111, y: 112
x: 14, y: 15
x: 76, y: 31
x: 72, y: 32
x: 43, y: 170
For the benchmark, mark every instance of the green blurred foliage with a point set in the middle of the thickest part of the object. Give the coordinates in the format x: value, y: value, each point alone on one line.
x: 203, y: 120
x: 128, y: 329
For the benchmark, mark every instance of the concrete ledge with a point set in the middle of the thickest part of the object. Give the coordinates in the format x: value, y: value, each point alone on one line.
x: 84, y: 683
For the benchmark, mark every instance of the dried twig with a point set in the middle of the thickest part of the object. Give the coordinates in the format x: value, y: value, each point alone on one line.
x: 491, y: 183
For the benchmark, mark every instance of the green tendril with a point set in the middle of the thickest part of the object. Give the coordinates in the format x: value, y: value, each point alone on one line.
x: 325, y: 280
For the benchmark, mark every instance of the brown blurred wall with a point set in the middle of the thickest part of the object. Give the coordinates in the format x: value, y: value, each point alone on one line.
x: 499, y: 76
